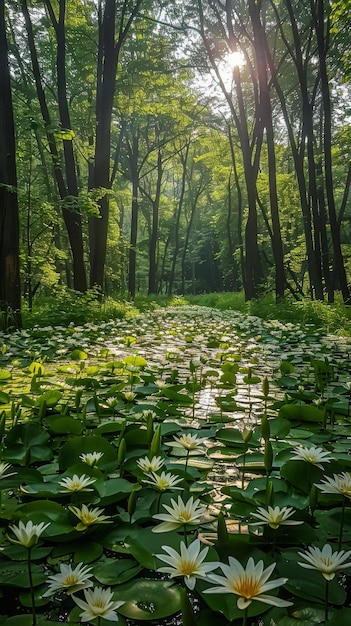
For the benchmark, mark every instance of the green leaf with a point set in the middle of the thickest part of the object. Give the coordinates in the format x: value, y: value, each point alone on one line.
x: 88, y: 551
x: 4, y: 376
x: 4, y: 398
x: 135, y: 361
x: 70, y: 452
x: 62, y: 425
x: 150, y: 599
x: 15, y: 574
x: 78, y: 355
x: 302, y: 412
x: 116, y: 571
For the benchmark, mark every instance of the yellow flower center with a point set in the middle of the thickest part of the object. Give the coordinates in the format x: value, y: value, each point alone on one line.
x: 70, y: 579
x: 247, y: 587
x: 99, y: 607
x: 345, y: 488
x: 311, y: 458
x: 184, y: 516
x: 162, y: 483
x: 187, y: 568
x: 88, y: 518
x: 327, y: 563
x: 75, y: 486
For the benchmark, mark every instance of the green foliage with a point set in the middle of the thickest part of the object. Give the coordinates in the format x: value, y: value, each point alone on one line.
x: 70, y: 307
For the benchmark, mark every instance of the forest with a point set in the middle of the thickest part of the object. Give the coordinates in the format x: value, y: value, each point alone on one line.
x: 175, y: 328
x: 174, y: 148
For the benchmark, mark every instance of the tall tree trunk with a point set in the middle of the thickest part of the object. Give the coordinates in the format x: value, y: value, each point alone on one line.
x: 79, y: 273
x: 133, y: 159
x: 184, y: 161
x: 193, y: 202
x: 240, y: 207
x: 320, y: 11
x: 266, y: 117
x: 298, y: 152
x: 71, y: 219
x: 154, y: 229
x: 10, y: 291
x: 108, y: 56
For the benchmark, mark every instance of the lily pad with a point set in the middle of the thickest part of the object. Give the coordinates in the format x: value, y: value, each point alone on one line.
x: 150, y: 599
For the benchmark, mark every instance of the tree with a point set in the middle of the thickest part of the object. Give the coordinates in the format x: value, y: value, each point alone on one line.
x: 10, y: 294
x: 109, y: 48
x: 66, y: 186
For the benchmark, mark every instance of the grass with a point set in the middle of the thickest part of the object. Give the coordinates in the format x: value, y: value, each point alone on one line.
x: 69, y: 307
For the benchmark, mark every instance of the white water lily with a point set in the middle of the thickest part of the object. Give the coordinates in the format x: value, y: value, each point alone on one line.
x: 275, y: 517
x: 150, y: 465
x: 325, y: 561
x: 188, y: 563
x: 91, y: 458
x: 148, y: 414
x: 77, y: 483
x: 340, y: 483
x: 187, y: 442
x: 163, y: 481
x: 4, y: 467
x: 179, y: 514
x: 88, y: 517
x: 248, y: 583
x: 129, y: 396
x: 311, y: 454
x: 99, y: 603
x: 69, y: 580
x: 28, y: 534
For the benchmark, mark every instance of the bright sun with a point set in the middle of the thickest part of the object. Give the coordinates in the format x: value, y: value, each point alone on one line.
x: 234, y: 59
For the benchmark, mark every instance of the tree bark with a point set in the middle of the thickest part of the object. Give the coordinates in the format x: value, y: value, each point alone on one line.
x: 265, y: 113
x: 108, y: 56
x: 154, y: 229
x: 71, y: 219
x: 321, y: 17
x: 10, y: 290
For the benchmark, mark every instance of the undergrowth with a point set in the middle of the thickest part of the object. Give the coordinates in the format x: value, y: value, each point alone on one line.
x: 69, y: 307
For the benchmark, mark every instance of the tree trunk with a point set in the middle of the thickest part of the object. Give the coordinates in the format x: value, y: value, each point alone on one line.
x: 154, y: 229
x: 266, y: 117
x: 184, y: 160
x: 108, y: 57
x: 133, y: 158
x: 10, y: 290
x: 319, y: 16
x: 72, y: 220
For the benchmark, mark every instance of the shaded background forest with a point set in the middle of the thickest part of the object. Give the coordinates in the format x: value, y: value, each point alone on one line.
x: 175, y: 147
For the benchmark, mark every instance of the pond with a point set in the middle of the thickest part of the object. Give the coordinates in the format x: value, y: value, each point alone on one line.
x: 110, y: 431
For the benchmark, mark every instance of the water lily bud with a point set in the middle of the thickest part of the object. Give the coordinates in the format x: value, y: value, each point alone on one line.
x: 265, y: 387
x: 222, y: 531
x: 246, y: 434
x: 122, y: 449
x: 132, y: 502
x: 268, y: 456
x: 155, y: 446
x: 42, y: 410
x: 313, y: 498
x: 265, y: 428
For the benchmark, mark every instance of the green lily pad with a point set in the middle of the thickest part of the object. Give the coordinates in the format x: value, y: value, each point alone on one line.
x: 15, y: 574
x: 116, y: 571
x: 150, y: 599
x: 88, y: 551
